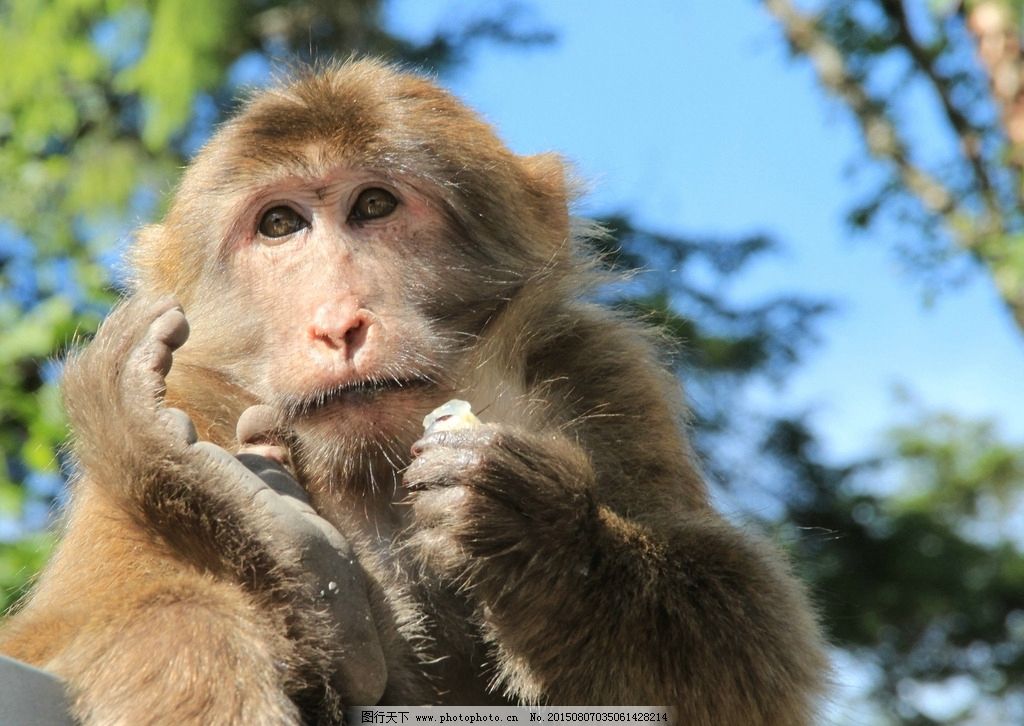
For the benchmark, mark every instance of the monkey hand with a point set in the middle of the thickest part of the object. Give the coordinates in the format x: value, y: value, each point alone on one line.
x: 245, y: 517
x: 489, y: 502
x: 290, y: 529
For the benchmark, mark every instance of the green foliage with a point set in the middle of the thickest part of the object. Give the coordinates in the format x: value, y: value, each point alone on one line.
x: 681, y: 283
x: 19, y: 561
x: 958, y: 469
x: 185, y: 54
x: 926, y: 578
x: 913, y: 575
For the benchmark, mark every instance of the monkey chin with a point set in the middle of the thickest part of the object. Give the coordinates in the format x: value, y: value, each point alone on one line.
x: 359, y: 439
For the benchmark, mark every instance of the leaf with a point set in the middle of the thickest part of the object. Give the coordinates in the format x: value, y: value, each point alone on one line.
x: 184, y: 56
x: 19, y: 562
x: 38, y: 333
x: 11, y: 498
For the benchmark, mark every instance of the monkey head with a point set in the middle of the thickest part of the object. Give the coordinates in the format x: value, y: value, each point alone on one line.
x: 342, y: 243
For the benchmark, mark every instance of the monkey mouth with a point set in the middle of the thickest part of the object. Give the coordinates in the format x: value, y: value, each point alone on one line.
x: 355, y: 393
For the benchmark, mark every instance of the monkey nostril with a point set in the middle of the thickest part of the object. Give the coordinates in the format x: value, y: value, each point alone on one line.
x: 355, y: 336
x: 346, y: 338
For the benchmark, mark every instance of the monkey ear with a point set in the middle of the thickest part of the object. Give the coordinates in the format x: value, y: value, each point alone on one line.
x: 551, y: 193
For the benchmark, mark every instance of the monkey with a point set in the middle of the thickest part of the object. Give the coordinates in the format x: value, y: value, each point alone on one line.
x: 260, y: 531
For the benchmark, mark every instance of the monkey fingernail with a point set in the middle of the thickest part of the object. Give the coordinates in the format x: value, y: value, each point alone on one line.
x: 279, y: 454
x: 258, y: 431
x: 430, y: 438
x: 180, y: 424
x: 258, y: 425
x: 171, y: 328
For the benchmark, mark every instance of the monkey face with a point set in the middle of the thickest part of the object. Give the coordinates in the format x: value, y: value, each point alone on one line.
x: 343, y: 245
x: 342, y: 271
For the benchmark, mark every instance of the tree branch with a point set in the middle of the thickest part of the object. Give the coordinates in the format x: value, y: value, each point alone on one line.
x: 880, y: 134
x: 966, y: 131
x: 972, y: 232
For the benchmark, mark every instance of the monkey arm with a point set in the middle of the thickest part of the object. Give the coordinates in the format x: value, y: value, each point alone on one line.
x: 138, y: 625
x: 184, y: 568
x: 141, y: 637
x: 585, y: 606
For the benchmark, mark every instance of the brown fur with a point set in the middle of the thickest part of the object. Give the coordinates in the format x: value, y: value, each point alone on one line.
x: 565, y: 553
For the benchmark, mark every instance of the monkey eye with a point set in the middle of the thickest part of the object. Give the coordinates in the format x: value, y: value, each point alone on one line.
x: 281, y: 222
x: 373, y: 204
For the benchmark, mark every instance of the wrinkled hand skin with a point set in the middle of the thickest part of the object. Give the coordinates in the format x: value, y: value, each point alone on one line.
x: 326, y: 560
x: 247, y: 512
x: 491, y: 502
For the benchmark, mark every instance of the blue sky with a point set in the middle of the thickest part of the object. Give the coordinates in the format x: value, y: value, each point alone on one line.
x: 691, y: 116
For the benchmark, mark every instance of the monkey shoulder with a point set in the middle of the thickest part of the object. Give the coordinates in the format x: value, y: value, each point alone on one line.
x: 609, y: 377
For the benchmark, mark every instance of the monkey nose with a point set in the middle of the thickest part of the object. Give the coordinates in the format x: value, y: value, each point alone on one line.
x: 340, y: 332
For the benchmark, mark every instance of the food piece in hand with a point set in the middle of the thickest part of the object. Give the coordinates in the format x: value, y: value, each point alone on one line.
x: 453, y: 415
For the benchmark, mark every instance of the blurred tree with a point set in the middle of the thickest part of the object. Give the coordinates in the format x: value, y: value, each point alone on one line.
x: 683, y: 284
x: 922, y: 579
x: 937, y: 89
x: 927, y: 576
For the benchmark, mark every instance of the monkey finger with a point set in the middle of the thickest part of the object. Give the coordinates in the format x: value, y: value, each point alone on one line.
x: 466, y: 438
x: 179, y: 424
x: 435, y: 507
x: 258, y: 424
x: 233, y: 476
x: 278, y: 454
x: 273, y: 472
x: 129, y: 320
x: 255, y: 481
x: 258, y: 431
x: 149, y: 363
x: 361, y: 673
x: 280, y: 496
x: 266, y: 492
x: 268, y: 484
x: 288, y: 503
x: 162, y: 322
x: 328, y: 532
x: 437, y: 465
x: 429, y: 440
x: 171, y: 327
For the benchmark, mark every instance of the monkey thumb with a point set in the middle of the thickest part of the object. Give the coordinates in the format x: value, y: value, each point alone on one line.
x: 259, y: 425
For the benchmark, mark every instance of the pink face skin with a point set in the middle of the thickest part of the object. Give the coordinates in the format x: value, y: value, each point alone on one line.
x: 340, y: 297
